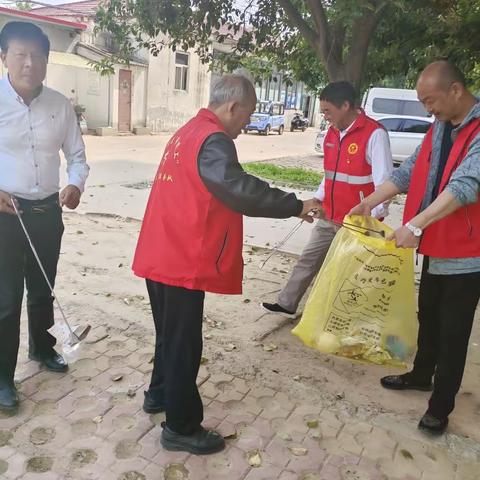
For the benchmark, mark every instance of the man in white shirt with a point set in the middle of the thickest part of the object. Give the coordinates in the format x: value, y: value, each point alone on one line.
x: 35, y: 124
x: 357, y: 159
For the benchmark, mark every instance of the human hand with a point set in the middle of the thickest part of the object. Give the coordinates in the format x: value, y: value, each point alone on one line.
x: 6, y: 203
x: 361, y: 209
x: 312, y: 209
x: 404, y: 238
x: 70, y: 197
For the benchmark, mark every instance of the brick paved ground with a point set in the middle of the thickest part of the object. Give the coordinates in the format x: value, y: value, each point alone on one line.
x: 88, y: 423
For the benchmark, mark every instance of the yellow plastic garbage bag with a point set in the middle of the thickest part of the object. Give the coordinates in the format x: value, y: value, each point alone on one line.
x: 362, y: 305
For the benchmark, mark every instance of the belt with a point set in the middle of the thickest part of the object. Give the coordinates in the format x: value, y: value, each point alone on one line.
x: 38, y: 206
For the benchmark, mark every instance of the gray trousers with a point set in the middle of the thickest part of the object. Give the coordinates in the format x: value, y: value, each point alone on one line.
x: 308, y: 265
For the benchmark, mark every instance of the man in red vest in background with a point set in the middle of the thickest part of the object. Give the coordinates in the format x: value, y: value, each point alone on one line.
x: 442, y: 220
x: 191, y: 243
x: 357, y: 158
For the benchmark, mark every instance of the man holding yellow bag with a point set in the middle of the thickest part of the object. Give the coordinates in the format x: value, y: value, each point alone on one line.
x: 442, y: 219
x: 357, y: 158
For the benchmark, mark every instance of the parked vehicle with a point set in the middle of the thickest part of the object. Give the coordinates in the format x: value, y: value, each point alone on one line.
x: 299, y: 122
x: 268, y: 116
x: 81, y: 118
x: 319, y: 141
x: 378, y: 102
x: 405, y: 134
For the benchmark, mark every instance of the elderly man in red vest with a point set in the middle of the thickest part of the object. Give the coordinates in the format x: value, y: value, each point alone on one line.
x: 191, y: 243
x: 442, y: 220
x: 357, y: 157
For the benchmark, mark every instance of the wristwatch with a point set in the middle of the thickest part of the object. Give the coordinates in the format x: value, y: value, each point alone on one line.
x: 417, y: 231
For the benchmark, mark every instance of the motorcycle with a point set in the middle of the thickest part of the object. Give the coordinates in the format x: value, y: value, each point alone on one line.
x: 299, y: 122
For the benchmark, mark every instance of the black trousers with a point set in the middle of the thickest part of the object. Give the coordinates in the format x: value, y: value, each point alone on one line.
x: 447, y: 306
x: 18, y: 267
x: 178, y: 317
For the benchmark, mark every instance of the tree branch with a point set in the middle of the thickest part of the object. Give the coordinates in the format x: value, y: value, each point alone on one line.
x: 321, y: 24
x: 362, y: 33
x: 299, y: 22
x: 338, y: 39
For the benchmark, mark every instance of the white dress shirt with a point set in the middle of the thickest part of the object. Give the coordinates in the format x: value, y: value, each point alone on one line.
x: 31, y: 138
x: 379, y: 156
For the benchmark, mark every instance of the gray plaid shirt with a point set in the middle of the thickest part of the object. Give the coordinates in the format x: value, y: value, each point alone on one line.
x: 464, y: 185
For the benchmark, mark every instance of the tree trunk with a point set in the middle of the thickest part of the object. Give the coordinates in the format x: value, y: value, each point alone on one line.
x: 328, y: 40
x: 338, y: 71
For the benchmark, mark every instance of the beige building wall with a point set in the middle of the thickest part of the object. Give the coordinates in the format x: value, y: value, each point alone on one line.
x: 107, y: 92
x: 83, y: 86
x: 61, y: 38
x: 168, y: 108
x: 71, y: 75
x: 139, y: 96
x: 99, y: 95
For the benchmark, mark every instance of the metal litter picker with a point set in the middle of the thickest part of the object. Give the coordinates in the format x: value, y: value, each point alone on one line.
x: 69, y: 336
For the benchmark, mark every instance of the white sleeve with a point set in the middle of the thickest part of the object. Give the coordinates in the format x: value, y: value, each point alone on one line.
x: 379, y: 157
x: 74, y: 150
x: 320, y: 193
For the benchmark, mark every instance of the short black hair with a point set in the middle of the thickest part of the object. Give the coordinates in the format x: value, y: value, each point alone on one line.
x: 338, y: 93
x: 450, y: 72
x: 23, y: 31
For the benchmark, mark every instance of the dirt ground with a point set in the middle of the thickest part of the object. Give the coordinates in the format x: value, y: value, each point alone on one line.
x: 96, y: 286
x: 96, y: 283
x: 301, y: 414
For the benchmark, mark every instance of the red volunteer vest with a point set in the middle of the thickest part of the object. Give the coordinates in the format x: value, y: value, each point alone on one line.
x: 347, y: 173
x: 188, y: 238
x: 457, y: 235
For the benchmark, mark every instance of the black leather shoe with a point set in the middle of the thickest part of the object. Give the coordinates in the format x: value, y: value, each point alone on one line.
x: 404, y: 382
x: 433, y: 425
x: 276, y: 308
x: 149, y: 404
x: 8, y: 397
x: 54, y: 362
x: 201, y: 442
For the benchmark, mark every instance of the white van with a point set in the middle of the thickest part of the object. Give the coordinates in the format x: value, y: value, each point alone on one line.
x: 400, y: 112
x: 379, y: 102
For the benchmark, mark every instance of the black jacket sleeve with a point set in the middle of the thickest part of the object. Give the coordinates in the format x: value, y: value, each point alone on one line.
x: 224, y: 178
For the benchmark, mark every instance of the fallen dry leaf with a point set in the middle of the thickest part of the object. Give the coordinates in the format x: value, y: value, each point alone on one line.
x: 285, y: 436
x: 254, y: 459
x: 298, y: 451
x: 270, y: 347
x: 406, y: 454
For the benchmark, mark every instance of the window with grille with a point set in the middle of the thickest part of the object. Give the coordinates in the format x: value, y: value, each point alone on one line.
x: 181, y: 71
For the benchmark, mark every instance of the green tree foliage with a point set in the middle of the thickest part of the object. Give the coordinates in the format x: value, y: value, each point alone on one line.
x: 425, y: 31
x: 338, y: 32
x: 363, y: 41
x: 24, y: 6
